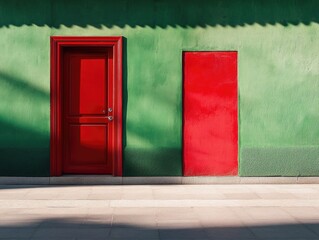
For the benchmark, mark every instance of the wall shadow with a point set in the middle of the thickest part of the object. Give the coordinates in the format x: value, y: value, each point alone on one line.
x: 24, y: 146
x: 124, y: 90
x: 23, y: 152
x: 23, y: 85
x: 160, y: 13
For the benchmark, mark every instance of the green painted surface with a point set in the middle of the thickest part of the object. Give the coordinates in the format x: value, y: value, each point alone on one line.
x: 278, y: 76
x: 280, y: 161
x: 24, y: 89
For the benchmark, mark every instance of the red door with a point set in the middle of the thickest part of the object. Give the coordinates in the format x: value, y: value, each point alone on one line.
x: 87, y: 111
x: 210, y: 137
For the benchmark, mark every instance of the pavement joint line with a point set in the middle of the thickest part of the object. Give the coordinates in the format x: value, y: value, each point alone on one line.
x: 75, y: 203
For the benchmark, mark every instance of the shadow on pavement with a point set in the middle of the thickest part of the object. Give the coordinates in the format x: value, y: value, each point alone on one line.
x: 103, y: 227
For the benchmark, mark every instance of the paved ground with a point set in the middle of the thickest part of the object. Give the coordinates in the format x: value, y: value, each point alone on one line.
x: 201, y: 212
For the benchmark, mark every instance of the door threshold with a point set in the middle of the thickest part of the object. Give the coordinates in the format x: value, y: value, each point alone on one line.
x: 86, y: 175
x: 85, y: 179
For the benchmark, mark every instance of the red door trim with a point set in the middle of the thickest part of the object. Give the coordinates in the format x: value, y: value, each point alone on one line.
x: 58, y: 44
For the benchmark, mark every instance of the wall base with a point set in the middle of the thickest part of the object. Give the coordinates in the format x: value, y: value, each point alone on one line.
x: 109, y: 180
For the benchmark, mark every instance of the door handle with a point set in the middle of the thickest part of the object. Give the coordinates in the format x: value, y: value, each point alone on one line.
x: 109, y: 110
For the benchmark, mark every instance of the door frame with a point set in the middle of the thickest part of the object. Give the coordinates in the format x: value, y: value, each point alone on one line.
x: 58, y: 45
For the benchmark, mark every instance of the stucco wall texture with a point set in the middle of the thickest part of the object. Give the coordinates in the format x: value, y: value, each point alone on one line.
x: 278, y: 78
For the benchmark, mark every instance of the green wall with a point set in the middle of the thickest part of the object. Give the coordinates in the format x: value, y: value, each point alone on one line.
x: 278, y: 62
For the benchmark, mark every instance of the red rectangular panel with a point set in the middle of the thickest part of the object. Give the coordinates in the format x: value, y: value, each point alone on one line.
x: 86, y: 148
x: 88, y: 144
x: 210, y: 130
x: 87, y: 84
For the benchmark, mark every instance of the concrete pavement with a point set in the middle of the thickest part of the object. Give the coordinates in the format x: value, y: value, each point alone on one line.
x: 201, y: 212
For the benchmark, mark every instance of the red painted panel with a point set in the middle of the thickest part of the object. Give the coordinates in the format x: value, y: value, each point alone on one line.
x: 210, y: 130
x: 87, y: 84
x: 87, y: 148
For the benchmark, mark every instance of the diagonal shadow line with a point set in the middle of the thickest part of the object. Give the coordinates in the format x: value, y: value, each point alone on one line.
x: 12, y: 131
x: 19, y: 83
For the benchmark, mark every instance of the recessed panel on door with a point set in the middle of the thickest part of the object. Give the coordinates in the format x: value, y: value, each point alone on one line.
x: 87, y: 85
x: 87, y: 144
x: 87, y: 104
x: 210, y: 129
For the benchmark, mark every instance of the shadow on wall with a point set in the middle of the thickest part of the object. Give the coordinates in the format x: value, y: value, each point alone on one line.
x: 150, y: 160
x: 23, y: 85
x: 22, y: 151
x: 102, y: 227
x: 23, y: 144
x: 160, y: 13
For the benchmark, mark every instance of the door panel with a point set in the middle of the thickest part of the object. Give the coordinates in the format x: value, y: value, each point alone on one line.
x: 210, y: 135
x: 87, y: 144
x: 87, y: 98
x: 87, y: 84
